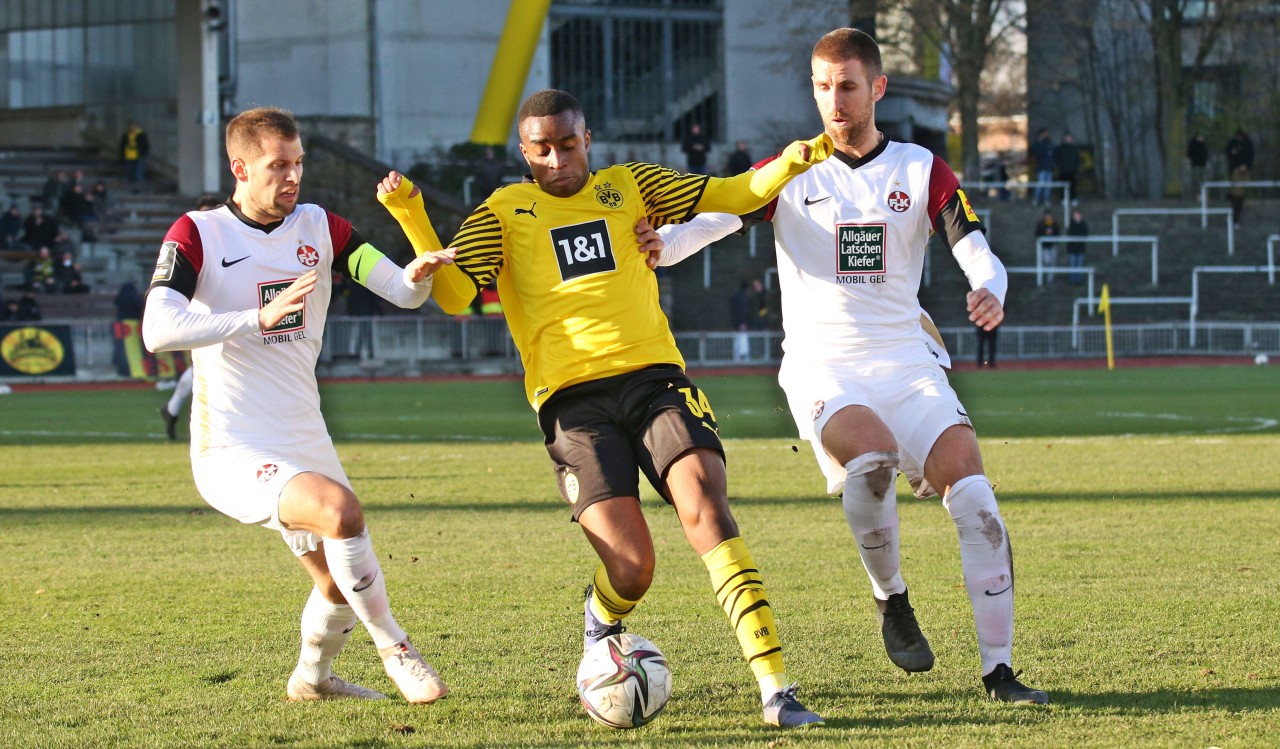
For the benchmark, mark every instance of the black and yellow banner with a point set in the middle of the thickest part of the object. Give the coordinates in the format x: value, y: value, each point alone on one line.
x: 36, y: 351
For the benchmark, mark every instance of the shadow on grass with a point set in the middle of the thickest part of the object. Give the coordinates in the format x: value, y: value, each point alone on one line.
x: 1169, y: 701
x: 553, y: 503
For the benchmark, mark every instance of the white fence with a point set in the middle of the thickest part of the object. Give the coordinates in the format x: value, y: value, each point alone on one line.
x: 416, y: 346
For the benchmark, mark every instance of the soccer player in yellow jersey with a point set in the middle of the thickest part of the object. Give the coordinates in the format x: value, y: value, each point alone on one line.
x: 602, y: 368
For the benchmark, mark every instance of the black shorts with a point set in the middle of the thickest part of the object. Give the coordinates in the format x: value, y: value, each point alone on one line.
x: 599, y: 433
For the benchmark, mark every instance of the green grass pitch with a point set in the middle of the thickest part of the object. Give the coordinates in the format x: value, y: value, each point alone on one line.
x: 1142, y: 505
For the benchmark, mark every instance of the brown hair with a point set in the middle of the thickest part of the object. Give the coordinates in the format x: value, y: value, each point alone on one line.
x: 246, y: 130
x: 850, y: 44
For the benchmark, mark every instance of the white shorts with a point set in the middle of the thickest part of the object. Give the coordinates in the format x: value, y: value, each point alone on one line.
x: 912, y: 398
x: 245, y: 482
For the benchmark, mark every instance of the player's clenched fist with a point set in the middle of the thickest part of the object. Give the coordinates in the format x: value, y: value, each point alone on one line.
x: 288, y: 301
x: 394, y: 189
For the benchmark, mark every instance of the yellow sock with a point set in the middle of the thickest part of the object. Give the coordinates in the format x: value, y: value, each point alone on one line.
x: 740, y: 592
x: 606, y: 604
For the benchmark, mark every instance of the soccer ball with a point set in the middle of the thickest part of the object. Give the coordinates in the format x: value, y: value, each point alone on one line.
x: 1261, y: 360
x: 624, y: 681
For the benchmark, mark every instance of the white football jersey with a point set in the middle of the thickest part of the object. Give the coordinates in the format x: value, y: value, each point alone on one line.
x: 259, y: 388
x: 851, y: 239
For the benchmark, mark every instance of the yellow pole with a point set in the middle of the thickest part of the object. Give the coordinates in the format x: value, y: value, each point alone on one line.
x: 511, y: 62
x: 1104, y: 306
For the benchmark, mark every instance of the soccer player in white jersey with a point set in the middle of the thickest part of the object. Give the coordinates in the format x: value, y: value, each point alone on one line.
x: 862, y: 384
x: 246, y: 287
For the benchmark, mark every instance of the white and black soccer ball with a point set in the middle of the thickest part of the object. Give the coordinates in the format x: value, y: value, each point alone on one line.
x: 624, y: 681
x: 1261, y: 360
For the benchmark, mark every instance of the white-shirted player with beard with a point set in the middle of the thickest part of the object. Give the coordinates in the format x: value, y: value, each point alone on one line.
x: 246, y: 287
x: 861, y: 378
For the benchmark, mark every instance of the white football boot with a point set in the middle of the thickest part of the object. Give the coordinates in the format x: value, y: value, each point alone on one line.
x: 331, y: 689
x: 417, y: 680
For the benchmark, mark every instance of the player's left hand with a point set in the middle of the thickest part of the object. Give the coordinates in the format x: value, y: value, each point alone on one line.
x: 984, y: 308
x: 650, y: 242
x: 428, y: 263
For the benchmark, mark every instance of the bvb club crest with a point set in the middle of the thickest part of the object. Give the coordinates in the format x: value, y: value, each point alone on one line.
x: 608, y: 196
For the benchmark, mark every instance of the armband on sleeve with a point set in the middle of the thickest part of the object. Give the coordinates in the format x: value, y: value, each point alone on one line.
x: 372, y: 270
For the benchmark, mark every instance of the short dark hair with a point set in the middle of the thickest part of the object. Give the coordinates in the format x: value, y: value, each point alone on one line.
x: 850, y: 44
x: 245, y: 130
x: 546, y: 103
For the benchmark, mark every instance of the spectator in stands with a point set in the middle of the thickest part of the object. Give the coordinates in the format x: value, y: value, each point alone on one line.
x: 1066, y: 157
x: 51, y: 193
x: 739, y: 161
x: 77, y: 208
x: 1198, y: 157
x: 747, y: 312
x: 134, y: 148
x: 696, y: 147
x: 1239, y: 164
x: 987, y: 346
x: 67, y: 273
x: 1239, y: 152
x: 101, y: 199
x: 26, y: 309
x: 1041, y: 158
x: 42, y: 230
x: 488, y: 176
x: 128, y: 307
x: 1048, y: 227
x: 1077, y: 227
x: 40, y: 273
x: 11, y: 229
x: 76, y: 178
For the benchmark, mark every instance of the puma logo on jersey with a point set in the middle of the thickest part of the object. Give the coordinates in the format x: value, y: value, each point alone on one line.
x: 811, y: 201
x: 228, y: 264
x: 528, y: 210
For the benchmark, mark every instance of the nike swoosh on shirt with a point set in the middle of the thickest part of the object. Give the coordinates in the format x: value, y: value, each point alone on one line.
x: 998, y: 592
x: 228, y: 264
x: 811, y: 201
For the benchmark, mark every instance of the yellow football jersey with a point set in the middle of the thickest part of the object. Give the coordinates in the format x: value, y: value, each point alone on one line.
x: 579, y: 299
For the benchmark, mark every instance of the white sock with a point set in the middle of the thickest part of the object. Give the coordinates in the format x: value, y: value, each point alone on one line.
x: 771, y: 684
x: 871, y: 509
x: 181, y: 391
x: 987, y: 561
x: 355, y: 570
x: 325, y: 629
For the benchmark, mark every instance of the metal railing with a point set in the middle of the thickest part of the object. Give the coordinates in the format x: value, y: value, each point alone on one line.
x: 422, y: 346
x: 1202, y: 212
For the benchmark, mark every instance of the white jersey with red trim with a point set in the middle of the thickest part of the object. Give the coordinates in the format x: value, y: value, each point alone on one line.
x: 851, y: 238
x: 259, y: 388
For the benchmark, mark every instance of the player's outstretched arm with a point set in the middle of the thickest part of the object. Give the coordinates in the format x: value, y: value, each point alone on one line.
x: 403, y: 200
x: 452, y: 289
x: 748, y: 191
x: 683, y: 240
